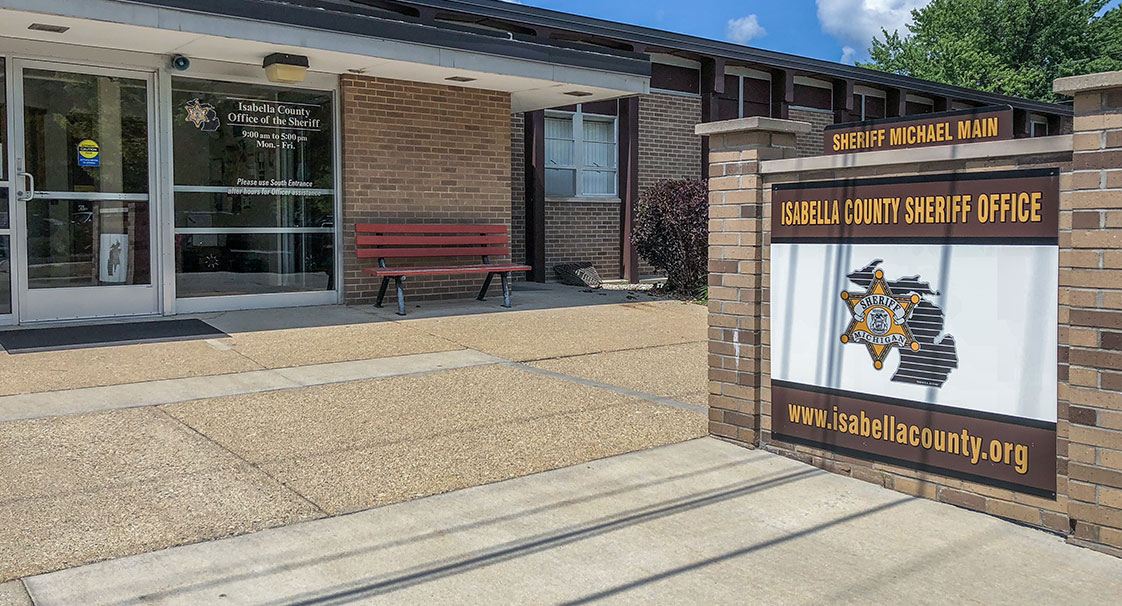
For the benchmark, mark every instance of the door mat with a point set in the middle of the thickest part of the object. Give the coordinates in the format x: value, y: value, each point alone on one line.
x: 100, y: 335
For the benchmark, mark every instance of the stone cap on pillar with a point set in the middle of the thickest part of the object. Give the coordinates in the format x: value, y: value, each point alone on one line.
x: 1087, y: 83
x: 756, y: 132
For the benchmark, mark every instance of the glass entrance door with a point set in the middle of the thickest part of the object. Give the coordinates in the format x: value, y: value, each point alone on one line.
x: 83, y: 184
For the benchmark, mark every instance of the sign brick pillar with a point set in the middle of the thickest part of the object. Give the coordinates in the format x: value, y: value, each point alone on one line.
x: 738, y: 285
x: 1090, y: 408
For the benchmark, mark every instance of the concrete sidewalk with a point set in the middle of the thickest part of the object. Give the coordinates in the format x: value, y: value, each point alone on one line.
x: 702, y: 522
x: 328, y: 411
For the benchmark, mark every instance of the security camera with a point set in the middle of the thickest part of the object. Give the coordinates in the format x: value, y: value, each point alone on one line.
x: 180, y: 63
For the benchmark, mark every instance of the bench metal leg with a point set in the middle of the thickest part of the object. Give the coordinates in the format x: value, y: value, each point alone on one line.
x: 506, y: 289
x: 400, y: 295
x: 382, y: 291
x: 486, y: 285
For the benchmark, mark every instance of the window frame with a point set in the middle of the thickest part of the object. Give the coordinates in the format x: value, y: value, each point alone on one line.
x: 741, y: 73
x: 864, y: 92
x: 1042, y: 120
x: 579, y: 166
x: 174, y: 303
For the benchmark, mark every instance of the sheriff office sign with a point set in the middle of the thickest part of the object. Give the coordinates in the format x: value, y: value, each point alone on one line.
x: 991, y: 123
x: 914, y: 322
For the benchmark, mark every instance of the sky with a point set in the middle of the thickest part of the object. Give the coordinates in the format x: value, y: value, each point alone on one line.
x: 833, y: 30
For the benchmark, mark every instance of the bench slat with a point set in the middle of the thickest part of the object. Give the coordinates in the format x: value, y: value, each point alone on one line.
x: 388, y: 253
x: 394, y: 228
x: 428, y: 240
x: 461, y: 269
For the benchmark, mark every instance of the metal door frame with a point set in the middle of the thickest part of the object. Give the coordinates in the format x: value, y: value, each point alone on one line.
x: 108, y: 301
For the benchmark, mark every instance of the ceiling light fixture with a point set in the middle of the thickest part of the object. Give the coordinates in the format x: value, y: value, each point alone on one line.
x: 579, y: 93
x: 285, y: 69
x: 461, y: 79
x: 46, y: 27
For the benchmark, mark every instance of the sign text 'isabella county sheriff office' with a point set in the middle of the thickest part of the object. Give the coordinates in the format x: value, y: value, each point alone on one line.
x: 1021, y: 204
x: 991, y: 123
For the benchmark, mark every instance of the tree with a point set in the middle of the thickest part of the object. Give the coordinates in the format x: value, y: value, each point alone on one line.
x: 1012, y: 47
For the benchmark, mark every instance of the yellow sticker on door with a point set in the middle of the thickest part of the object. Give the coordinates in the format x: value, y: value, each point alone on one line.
x: 89, y: 153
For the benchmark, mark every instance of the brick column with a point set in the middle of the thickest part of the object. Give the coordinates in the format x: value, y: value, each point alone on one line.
x: 738, y: 296
x: 1090, y: 407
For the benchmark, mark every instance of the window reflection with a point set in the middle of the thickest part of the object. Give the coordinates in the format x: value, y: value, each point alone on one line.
x: 73, y: 243
x: 5, y: 275
x: 237, y: 264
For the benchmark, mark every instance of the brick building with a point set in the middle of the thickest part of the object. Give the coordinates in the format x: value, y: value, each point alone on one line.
x: 176, y: 156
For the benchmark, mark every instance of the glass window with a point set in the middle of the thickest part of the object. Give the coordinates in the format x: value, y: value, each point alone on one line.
x: 254, y: 188
x: 83, y: 243
x: 599, y: 166
x: 69, y: 116
x: 581, y: 154
x: 560, y: 163
x: 252, y: 263
x: 86, y: 134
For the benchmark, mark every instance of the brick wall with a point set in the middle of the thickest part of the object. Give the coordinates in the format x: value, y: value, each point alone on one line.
x: 1088, y: 505
x: 810, y: 144
x: 582, y: 231
x: 1091, y: 319
x: 421, y: 153
x: 668, y: 147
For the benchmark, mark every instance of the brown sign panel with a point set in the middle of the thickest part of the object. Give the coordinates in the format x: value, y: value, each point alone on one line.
x: 1009, y: 452
x: 1000, y: 207
x: 991, y: 123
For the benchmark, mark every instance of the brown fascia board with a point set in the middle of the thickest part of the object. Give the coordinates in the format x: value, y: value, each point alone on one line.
x: 351, y: 18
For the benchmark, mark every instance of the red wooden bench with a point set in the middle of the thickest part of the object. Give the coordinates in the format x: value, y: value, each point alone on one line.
x: 381, y: 241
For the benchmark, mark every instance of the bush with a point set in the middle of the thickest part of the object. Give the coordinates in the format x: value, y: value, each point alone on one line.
x: 672, y: 232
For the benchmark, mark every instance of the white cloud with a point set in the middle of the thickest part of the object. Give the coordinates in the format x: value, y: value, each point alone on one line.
x: 849, y: 55
x: 856, y: 22
x: 744, y: 29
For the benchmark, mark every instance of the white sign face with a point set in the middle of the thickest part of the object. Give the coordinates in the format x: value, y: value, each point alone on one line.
x: 113, y: 263
x: 986, y: 322
x: 914, y: 322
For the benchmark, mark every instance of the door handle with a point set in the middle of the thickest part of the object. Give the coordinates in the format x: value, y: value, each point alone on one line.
x: 28, y: 194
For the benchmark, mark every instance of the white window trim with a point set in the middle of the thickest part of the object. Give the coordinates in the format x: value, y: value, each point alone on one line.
x: 919, y: 100
x: 870, y: 92
x: 1038, y: 119
x: 747, y: 72
x: 805, y: 81
x: 578, y: 154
